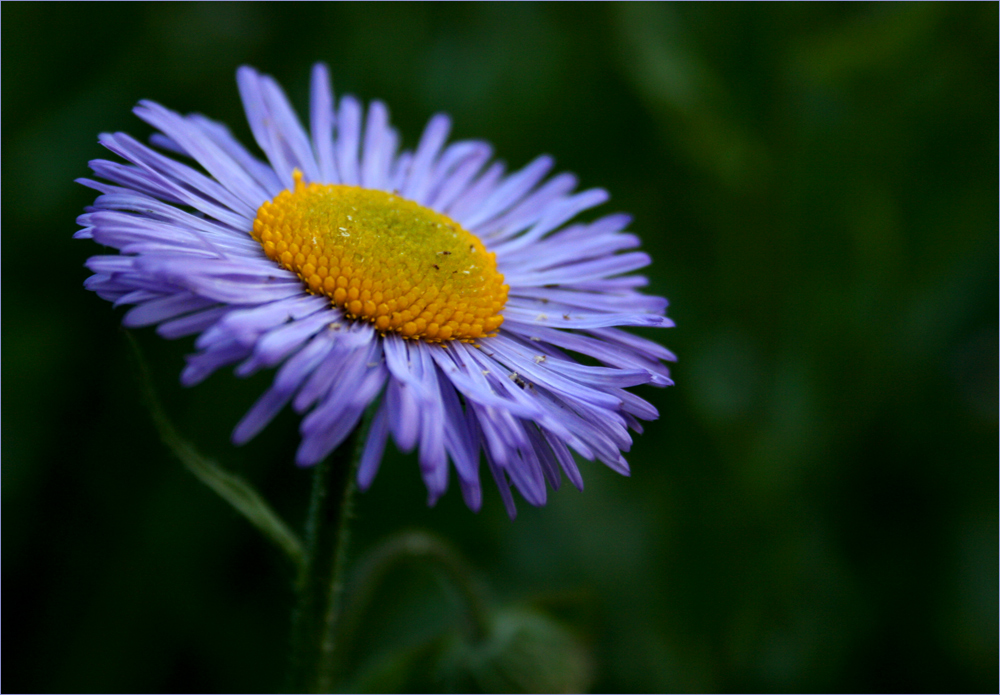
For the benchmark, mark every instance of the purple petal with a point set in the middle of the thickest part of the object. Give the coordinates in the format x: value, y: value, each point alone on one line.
x: 288, y: 130
x: 214, y: 160
x: 288, y: 380
x: 192, y: 323
x: 164, y: 309
x: 456, y: 182
x: 470, y: 199
x: 529, y: 210
x: 262, y: 173
x: 557, y: 215
x: 374, y: 447
x: 275, y: 345
x: 321, y: 122
x: 379, y: 148
x: 511, y: 191
x: 433, y: 139
x: 348, y: 140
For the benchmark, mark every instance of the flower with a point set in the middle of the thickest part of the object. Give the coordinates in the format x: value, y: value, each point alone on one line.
x: 429, y: 281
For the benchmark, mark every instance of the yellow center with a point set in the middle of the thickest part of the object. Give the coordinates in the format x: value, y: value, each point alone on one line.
x: 385, y: 259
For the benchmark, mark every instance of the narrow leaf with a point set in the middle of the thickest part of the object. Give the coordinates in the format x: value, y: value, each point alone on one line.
x: 230, y: 487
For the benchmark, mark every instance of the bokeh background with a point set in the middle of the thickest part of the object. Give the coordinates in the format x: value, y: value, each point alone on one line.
x: 817, y: 507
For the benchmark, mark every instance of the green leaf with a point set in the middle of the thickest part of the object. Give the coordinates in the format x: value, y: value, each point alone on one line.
x: 230, y: 487
x: 525, y: 651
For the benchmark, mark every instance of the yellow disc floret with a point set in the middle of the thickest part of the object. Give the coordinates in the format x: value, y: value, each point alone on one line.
x: 385, y: 260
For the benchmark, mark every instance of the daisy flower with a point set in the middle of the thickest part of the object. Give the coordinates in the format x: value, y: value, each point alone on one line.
x: 432, y: 282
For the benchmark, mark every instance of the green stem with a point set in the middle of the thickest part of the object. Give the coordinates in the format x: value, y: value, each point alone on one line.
x: 320, y: 581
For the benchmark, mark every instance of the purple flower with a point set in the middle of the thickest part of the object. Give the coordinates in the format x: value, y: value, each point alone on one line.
x: 431, y: 281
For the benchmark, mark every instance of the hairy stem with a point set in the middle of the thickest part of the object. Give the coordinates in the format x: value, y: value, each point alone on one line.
x: 317, y: 610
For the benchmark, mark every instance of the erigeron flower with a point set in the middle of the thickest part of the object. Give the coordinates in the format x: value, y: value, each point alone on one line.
x: 430, y: 282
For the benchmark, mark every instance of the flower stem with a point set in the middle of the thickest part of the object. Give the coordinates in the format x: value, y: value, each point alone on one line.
x: 320, y: 580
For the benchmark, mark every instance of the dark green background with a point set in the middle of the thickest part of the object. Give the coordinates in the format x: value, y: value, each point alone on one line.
x: 816, y: 509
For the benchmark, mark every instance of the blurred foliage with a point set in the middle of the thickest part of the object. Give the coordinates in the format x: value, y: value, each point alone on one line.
x: 816, y: 508
x: 487, y: 648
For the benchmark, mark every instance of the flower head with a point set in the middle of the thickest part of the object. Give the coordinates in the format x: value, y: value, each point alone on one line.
x: 431, y: 282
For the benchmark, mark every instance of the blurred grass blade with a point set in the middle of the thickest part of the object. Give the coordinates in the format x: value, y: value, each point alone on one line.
x: 230, y: 487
